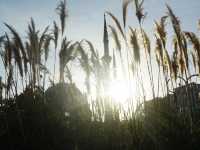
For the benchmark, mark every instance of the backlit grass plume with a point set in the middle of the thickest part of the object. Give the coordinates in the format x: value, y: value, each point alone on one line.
x: 124, y: 7
x: 135, y: 45
x: 62, y: 11
x: 116, y: 38
x: 116, y: 21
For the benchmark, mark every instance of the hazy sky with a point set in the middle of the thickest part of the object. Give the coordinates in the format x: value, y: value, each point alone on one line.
x: 86, y: 16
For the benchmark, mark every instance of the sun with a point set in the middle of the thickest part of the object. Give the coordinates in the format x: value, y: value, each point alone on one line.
x: 118, y: 91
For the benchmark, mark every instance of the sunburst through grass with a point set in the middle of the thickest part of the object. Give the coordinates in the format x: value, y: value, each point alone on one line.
x: 118, y: 91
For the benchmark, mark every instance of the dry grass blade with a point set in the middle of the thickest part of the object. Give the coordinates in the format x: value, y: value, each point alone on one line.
x: 62, y: 11
x: 198, y: 62
x: 159, y: 51
x: 124, y: 7
x: 66, y: 51
x: 2, y: 39
x: 29, y: 52
x: 195, y: 43
x: 84, y: 55
x: 35, y: 52
x: 135, y: 45
x: 181, y: 42
x: 162, y: 21
x: 175, y: 65
x: 18, y: 59
x: 56, y: 33
x: 105, y: 39
x: 114, y: 65
x: 175, y: 44
x: 91, y: 48
x: 147, y: 43
x: 139, y: 9
x: 46, y: 46
x: 117, y: 24
x: 116, y: 38
x: 8, y: 52
x: 32, y: 25
x: 43, y: 37
x: 160, y: 29
x: 175, y: 21
x: 182, y: 65
x: 185, y: 51
x: 167, y: 62
x: 194, y: 61
x: 85, y: 65
x: 65, y: 55
x: 194, y: 40
x: 9, y: 79
x: 19, y: 45
x: 68, y: 74
x: 157, y: 59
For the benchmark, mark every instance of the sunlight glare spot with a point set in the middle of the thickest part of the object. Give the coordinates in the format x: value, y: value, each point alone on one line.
x: 118, y: 91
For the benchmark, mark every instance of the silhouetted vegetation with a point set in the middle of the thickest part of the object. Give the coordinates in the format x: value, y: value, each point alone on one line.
x: 37, y: 111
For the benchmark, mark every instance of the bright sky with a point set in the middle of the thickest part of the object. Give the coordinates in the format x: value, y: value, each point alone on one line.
x: 86, y: 16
